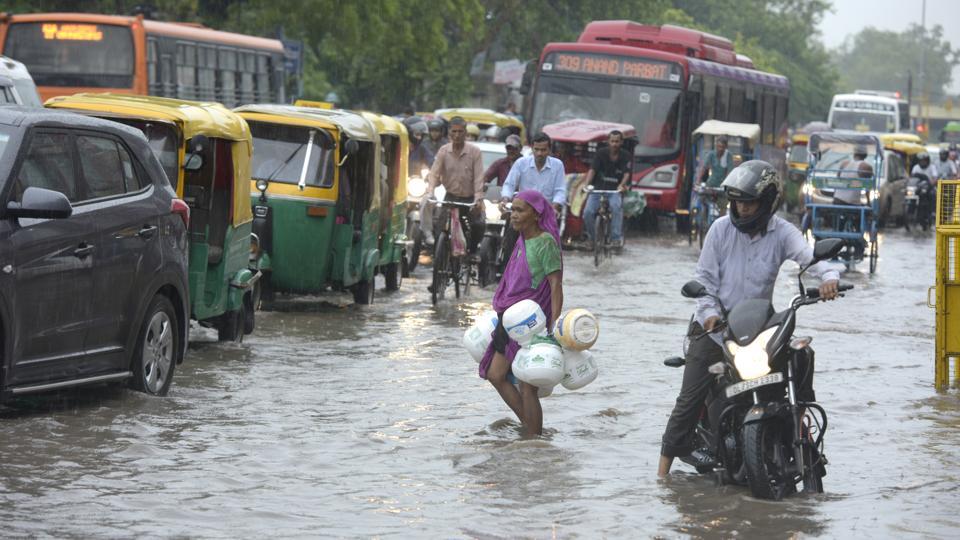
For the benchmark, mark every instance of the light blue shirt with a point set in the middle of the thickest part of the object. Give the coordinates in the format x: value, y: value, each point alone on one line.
x: 549, y: 181
x: 736, y: 267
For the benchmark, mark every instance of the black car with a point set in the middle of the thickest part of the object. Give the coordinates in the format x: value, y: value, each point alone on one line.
x: 93, y: 256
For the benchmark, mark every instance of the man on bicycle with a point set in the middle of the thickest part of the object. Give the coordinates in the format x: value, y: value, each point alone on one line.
x: 458, y: 167
x: 740, y: 260
x: 610, y: 171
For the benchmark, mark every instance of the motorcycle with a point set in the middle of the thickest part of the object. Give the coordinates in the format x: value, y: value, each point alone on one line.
x: 498, y: 238
x: 918, y: 201
x: 760, y: 422
x: 416, y: 187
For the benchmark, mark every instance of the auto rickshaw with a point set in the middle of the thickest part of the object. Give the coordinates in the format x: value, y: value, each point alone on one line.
x: 899, y: 158
x: 205, y: 149
x: 394, y: 152
x: 317, y: 205
x: 796, y: 172
x: 485, y: 118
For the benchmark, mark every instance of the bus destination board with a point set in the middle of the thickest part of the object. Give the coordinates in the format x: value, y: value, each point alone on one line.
x: 621, y: 67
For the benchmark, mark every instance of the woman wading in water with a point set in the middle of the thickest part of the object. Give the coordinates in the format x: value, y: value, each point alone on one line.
x: 535, y: 272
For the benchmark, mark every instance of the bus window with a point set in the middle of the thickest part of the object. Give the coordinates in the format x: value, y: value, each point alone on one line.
x: 153, y: 67
x: 228, y: 77
x: 769, y: 118
x: 73, y: 54
x: 186, y: 71
x: 263, y: 79
x: 709, y: 97
x: 247, y: 68
x: 207, y: 73
x: 737, y: 113
x: 721, y: 111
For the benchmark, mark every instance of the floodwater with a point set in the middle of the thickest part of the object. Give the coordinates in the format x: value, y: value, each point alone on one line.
x: 371, y: 421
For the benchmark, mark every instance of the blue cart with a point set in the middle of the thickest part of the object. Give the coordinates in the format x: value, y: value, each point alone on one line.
x: 841, y: 193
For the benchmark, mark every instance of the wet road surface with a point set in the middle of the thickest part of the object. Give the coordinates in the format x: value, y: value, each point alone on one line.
x: 371, y: 421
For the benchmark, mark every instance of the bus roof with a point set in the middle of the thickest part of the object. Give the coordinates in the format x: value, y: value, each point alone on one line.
x: 865, y: 97
x: 191, y: 31
x: 194, y: 117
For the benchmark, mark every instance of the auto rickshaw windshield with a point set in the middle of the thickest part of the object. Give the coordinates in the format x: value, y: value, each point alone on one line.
x: 163, y: 141
x: 279, y: 153
x: 836, y: 156
x: 798, y: 153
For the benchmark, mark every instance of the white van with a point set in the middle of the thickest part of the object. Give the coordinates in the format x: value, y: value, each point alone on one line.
x: 16, y: 85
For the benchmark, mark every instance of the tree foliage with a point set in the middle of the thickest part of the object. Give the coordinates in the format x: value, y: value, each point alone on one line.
x: 884, y: 60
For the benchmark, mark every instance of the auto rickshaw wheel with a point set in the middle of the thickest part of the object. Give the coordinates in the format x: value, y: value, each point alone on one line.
x: 873, y: 256
x: 249, y: 313
x: 393, y: 276
x: 363, y: 292
x: 230, y: 325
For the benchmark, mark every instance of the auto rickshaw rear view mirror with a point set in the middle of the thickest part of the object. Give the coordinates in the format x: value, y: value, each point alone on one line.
x: 351, y: 146
x: 197, y: 144
x: 193, y: 162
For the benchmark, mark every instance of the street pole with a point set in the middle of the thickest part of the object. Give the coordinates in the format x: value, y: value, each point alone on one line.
x: 924, y: 100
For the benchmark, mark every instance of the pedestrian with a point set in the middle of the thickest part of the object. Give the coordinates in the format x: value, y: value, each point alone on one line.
x: 535, y: 272
x: 740, y: 260
x: 500, y: 168
x: 611, y: 171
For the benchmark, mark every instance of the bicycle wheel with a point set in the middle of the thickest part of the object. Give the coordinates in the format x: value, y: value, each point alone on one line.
x: 456, y: 274
x: 703, y: 225
x: 873, y: 256
x: 598, y: 237
x: 467, y: 269
x: 441, y: 267
x: 694, y: 225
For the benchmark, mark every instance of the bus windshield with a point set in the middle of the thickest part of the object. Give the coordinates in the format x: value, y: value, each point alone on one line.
x: 653, y: 110
x: 279, y: 152
x: 863, y: 121
x: 73, y: 54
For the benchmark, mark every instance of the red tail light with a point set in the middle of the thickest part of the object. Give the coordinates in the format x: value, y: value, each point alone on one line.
x: 177, y: 206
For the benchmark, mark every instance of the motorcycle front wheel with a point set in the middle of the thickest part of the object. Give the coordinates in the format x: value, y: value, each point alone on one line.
x: 768, y: 456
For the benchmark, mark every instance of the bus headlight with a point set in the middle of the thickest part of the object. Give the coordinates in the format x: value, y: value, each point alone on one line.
x: 416, y: 186
x: 752, y: 361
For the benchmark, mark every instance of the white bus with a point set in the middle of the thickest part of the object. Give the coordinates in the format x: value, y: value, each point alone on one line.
x: 868, y: 112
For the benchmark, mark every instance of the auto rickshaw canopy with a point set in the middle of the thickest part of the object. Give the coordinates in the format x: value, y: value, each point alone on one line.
x: 888, y: 139
x: 486, y: 117
x: 191, y: 118
x: 391, y: 127
x: 750, y: 132
x: 351, y: 123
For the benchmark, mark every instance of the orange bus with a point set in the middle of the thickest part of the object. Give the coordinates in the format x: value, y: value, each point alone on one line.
x: 68, y: 53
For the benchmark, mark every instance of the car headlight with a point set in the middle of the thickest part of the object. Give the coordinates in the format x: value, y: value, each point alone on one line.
x: 492, y: 211
x: 416, y: 186
x: 752, y: 361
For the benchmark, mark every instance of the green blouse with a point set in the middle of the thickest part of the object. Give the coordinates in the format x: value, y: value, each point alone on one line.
x: 543, y: 257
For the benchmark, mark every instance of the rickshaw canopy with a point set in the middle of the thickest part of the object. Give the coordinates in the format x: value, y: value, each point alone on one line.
x: 191, y: 118
x: 484, y: 116
x: 391, y: 127
x: 583, y: 131
x: 851, y: 139
x: 890, y: 138
x: 751, y: 132
x: 830, y: 170
x: 351, y: 123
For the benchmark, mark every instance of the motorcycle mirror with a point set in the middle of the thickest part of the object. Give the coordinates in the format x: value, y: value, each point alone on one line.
x: 827, y: 248
x: 693, y: 289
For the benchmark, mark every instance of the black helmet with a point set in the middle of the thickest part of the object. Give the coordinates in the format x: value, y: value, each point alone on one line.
x: 923, y: 156
x: 944, y: 153
x: 753, y: 180
x: 435, y: 123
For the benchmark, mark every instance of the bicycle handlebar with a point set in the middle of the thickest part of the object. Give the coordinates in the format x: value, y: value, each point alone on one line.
x: 452, y: 203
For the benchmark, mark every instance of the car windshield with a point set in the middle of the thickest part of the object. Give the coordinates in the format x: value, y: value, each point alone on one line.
x: 164, y: 143
x: 653, y: 110
x: 73, y: 54
x: 864, y: 121
x: 279, y: 152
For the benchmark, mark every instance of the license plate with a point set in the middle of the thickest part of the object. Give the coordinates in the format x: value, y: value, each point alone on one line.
x: 744, y: 386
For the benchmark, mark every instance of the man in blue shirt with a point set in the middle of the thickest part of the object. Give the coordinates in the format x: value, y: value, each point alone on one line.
x: 541, y: 172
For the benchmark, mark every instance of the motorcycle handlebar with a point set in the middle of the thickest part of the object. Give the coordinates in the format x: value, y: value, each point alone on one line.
x: 814, y: 292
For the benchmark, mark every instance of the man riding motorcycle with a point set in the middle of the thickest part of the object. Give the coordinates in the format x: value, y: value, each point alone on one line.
x: 740, y: 260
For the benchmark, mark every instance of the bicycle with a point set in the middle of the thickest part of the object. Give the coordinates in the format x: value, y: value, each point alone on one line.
x: 710, y: 206
x: 602, y: 244
x: 448, y: 267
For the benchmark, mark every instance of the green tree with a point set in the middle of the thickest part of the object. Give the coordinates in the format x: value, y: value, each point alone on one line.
x: 883, y: 60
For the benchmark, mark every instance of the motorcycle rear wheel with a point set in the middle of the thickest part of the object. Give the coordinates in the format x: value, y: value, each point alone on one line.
x: 768, y: 455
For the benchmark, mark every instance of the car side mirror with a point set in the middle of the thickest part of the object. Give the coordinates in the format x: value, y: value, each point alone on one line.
x: 693, y: 289
x: 827, y: 248
x: 39, y: 203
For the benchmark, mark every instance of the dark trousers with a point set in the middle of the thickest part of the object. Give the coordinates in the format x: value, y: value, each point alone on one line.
x: 696, y: 386
x: 473, y: 222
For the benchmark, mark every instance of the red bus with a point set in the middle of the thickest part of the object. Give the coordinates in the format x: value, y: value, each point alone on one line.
x: 665, y: 81
x: 68, y: 53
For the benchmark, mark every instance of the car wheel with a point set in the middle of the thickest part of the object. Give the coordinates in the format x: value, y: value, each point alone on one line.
x: 154, y: 357
x: 230, y: 326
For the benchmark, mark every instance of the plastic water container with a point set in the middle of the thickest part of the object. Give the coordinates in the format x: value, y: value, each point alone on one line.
x: 544, y: 391
x: 478, y: 337
x: 524, y: 320
x: 542, y: 366
x: 576, y: 330
x: 520, y: 366
x: 579, y: 369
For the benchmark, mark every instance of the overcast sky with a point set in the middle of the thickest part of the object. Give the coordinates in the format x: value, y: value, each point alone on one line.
x: 851, y: 16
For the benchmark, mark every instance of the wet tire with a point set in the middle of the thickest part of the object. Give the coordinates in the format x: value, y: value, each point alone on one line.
x: 599, y: 239
x: 812, y: 479
x: 363, y: 292
x: 249, y: 313
x: 487, y: 271
x: 412, y: 258
x: 693, y: 225
x: 393, y: 276
x: 230, y: 325
x: 874, y: 256
x: 768, y: 456
x: 441, y: 270
x: 155, y: 356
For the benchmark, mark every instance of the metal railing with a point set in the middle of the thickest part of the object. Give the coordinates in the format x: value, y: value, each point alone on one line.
x: 947, y: 288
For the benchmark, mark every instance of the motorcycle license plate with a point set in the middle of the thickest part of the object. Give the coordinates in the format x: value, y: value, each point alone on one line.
x: 745, y: 386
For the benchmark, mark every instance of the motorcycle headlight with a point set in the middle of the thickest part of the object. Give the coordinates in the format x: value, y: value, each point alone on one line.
x: 752, y: 361
x: 911, y: 191
x: 807, y: 189
x: 491, y: 211
x: 416, y: 186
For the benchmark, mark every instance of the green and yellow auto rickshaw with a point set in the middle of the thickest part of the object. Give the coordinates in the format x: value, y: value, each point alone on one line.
x: 394, y: 153
x: 486, y: 118
x: 205, y: 149
x: 796, y: 172
x: 318, y: 206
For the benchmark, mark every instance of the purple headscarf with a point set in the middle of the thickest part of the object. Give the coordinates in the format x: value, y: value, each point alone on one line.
x: 515, y: 283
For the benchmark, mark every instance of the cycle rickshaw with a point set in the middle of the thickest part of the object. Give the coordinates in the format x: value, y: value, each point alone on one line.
x: 841, y: 193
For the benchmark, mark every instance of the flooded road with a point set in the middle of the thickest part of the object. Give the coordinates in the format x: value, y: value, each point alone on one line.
x: 350, y: 421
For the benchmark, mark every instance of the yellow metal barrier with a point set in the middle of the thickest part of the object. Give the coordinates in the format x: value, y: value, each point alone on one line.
x: 947, y: 288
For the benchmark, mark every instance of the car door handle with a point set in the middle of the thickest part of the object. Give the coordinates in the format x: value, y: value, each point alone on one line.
x: 84, y: 250
x: 147, y: 231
